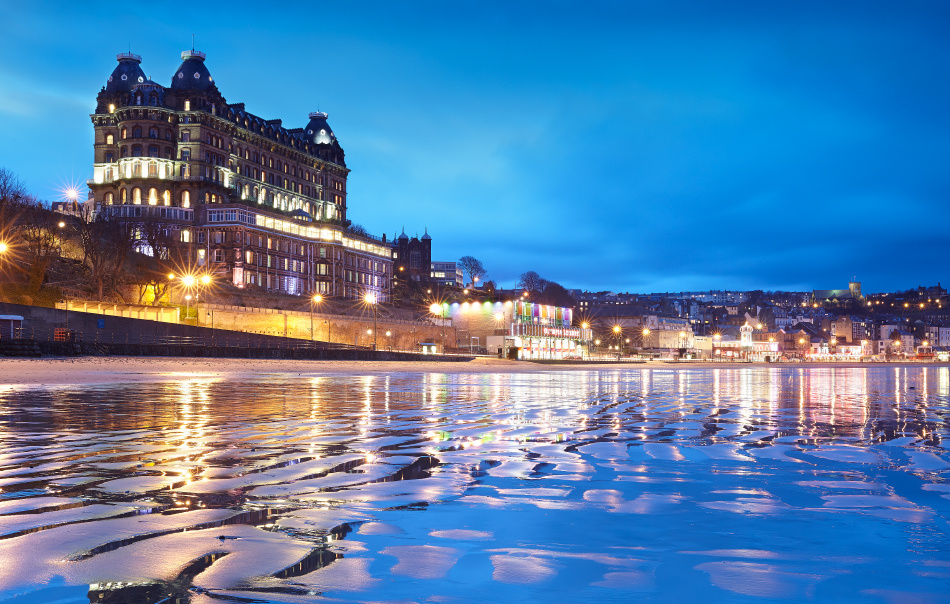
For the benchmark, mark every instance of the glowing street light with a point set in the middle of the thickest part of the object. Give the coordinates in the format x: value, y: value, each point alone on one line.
x: 317, y: 299
x: 370, y: 298
x: 436, y: 310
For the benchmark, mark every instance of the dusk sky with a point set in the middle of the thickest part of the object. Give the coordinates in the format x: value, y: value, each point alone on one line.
x: 625, y: 146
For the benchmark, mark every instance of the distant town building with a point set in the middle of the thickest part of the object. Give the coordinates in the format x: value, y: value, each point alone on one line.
x: 412, y: 257
x: 447, y: 273
x: 852, y: 294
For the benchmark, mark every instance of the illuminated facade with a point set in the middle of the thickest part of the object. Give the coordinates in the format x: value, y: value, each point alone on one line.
x: 255, y: 203
x: 534, y: 331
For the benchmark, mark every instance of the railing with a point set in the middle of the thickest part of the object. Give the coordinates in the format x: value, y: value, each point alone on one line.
x: 227, y: 339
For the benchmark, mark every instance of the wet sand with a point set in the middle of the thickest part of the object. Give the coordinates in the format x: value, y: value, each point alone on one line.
x: 105, y: 370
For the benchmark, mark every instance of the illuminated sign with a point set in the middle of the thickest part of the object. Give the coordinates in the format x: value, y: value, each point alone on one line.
x: 561, y: 332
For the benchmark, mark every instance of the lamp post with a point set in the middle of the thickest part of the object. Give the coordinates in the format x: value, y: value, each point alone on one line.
x: 646, y: 334
x: 370, y: 298
x: 585, y: 326
x: 716, y: 338
x: 3, y: 253
x: 436, y: 310
x: 389, y: 335
x: 616, y: 331
x: 314, y: 300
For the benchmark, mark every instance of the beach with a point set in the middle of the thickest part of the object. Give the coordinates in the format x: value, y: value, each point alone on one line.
x: 105, y: 370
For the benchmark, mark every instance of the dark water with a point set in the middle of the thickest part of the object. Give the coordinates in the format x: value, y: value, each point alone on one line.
x: 717, y: 485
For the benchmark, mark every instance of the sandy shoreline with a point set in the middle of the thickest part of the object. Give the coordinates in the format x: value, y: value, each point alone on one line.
x: 104, y: 370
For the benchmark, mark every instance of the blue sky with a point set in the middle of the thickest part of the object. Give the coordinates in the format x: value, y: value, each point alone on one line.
x: 629, y: 146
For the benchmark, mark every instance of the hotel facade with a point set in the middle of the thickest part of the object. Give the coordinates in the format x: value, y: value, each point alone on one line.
x: 241, y: 197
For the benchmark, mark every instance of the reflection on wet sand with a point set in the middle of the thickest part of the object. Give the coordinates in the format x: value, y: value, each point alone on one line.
x: 588, y: 484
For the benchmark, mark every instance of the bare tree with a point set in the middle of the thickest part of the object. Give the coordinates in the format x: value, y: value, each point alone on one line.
x: 13, y: 202
x: 473, y: 267
x: 155, y: 233
x: 532, y: 282
x: 106, y: 244
x: 39, y: 230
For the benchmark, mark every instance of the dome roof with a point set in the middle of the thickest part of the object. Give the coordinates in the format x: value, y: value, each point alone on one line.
x: 126, y: 74
x: 318, y: 130
x: 426, y: 237
x: 403, y: 236
x: 192, y: 74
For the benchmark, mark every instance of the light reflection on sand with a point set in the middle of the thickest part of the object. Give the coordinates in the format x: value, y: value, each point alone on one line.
x: 731, y: 483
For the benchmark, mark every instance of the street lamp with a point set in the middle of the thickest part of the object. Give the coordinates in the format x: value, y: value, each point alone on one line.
x: 370, y: 298
x: 643, y: 341
x: 314, y: 300
x: 436, y: 310
x: 616, y: 330
x: 585, y: 326
x: 389, y: 335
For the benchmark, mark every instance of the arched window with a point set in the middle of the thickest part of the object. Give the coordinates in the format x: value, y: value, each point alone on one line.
x: 110, y: 139
x: 185, y: 199
x: 125, y: 133
x: 124, y: 152
x: 153, y: 132
x: 137, y: 132
x: 153, y: 169
x: 123, y: 196
x: 153, y: 150
x: 168, y: 135
x: 136, y: 150
x: 167, y: 198
x: 153, y: 100
x: 137, y: 196
x: 187, y: 105
x: 153, y: 196
x: 109, y: 199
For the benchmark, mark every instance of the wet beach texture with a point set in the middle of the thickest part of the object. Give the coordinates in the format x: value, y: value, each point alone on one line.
x: 297, y: 483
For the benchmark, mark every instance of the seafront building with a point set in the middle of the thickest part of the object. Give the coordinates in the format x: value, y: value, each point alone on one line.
x: 519, y: 329
x: 242, y: 197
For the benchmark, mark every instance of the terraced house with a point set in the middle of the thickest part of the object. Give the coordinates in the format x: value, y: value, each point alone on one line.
x: 245, y: 198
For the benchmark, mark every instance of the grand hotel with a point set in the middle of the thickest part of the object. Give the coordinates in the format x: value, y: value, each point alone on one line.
x: 244, y: 198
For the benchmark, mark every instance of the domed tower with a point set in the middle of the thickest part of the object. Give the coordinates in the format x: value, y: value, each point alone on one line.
x: 322, y: 142
x: 118, y: 89
x: 319, y: 134
x: 193, y: 88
